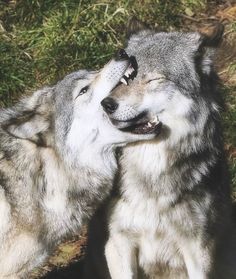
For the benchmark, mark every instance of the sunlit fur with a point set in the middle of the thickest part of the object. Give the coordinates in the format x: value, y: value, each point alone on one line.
x: 56, y: 165
x: 172, y: 217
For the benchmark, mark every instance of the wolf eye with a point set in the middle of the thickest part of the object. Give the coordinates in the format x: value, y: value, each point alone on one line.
x: 159, y: 79
x: 84, y: 90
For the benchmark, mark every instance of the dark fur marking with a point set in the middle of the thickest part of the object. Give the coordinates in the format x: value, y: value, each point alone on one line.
x: 135, y: 26
x: 215, y: 38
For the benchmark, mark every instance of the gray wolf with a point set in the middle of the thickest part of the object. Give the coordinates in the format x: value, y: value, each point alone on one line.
x: 57, y: 163
x: 172, y: 216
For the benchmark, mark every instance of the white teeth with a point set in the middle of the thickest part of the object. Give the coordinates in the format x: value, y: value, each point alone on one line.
x: 124, y: 81
x: 129, y: 71
x: 154, y: 120
x: 127, y: 74
x: 149, y: 125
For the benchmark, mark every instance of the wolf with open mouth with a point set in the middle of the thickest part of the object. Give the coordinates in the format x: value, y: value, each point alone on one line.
x: 172, y: 217
x: 127, y: 118
x: 57, y: 163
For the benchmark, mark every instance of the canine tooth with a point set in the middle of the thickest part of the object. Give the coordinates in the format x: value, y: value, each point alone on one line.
x: 155, y: 120
x: 124, y: 81
x: 129, y: 71
x: 149, y: 125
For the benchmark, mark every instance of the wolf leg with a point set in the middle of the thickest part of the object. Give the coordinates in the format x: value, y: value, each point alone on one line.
x: 121, y: 257
x: 197, y: 260
x: 19, y: 257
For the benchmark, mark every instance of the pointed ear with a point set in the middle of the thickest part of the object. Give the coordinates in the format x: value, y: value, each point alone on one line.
x: 208, y: 43
x: 135, y: 26
x: 31, y: 118
x: 213, y: 37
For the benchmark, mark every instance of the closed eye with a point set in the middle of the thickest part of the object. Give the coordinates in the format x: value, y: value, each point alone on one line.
x: 159, y: 79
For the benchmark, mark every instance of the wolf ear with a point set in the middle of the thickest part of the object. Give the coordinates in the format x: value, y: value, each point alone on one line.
x: 30, y: 118
x: 208, y: 43
x: 213, y: 37
x: 135, y: 26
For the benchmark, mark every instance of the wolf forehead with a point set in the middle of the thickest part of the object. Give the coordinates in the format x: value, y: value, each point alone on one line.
x: 163, y: 45
x: 70, y: 81
x: 168, y: 53
x: 64, y: 88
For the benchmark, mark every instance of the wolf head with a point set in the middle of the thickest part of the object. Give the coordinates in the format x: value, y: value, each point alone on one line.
x: 174, y: 91
x: 69, y: 116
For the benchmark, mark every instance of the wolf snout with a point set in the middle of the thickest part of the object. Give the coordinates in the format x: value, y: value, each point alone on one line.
x: 109, y: 105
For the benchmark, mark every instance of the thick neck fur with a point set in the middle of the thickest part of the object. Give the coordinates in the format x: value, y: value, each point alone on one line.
x: 168, y: 167
x: 95, y: 156
x: 70, y: 192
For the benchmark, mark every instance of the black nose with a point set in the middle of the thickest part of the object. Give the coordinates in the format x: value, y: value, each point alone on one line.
x: 109, y: 105
x: 121, y: 55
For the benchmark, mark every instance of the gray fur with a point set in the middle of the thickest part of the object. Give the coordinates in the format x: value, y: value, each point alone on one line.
x: 173, y: 217
x: 56, y: 165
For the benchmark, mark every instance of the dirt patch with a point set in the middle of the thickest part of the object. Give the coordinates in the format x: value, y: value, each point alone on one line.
x: 66, y: 262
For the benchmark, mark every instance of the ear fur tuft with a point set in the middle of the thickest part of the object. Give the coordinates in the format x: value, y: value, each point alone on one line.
x: 209, y: 41
x: 31, y: 117
x: 135, y: 26
x: 214, y: 37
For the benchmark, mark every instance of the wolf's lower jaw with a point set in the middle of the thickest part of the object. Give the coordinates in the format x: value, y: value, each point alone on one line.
x: 141, y: 124
x: 144, y: 128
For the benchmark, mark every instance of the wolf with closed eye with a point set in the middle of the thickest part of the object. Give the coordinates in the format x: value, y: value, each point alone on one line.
x: 172, y: 216
x: 57, y: 163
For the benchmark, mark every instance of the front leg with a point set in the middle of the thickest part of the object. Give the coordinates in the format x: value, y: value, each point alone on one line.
x: 197, y: 259
x: 121, y: 257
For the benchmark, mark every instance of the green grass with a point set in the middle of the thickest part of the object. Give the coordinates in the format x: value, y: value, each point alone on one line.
x: 41, y: 41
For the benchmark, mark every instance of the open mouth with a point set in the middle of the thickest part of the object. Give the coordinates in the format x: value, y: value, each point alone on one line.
x: 142, y: 123
x: 139, y: 125
x: 131, y: 71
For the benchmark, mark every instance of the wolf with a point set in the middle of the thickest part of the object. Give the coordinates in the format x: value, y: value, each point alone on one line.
x: 57, y: 163
x: 172, y: 215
